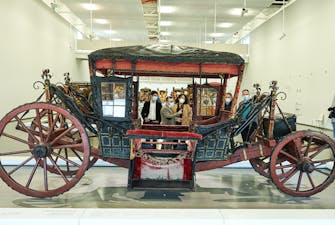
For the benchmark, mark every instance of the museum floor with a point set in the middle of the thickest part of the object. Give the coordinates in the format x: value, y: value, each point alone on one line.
x: 228, y: 188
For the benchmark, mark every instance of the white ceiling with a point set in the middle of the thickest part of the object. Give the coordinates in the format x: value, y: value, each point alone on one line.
x: 191, y: 21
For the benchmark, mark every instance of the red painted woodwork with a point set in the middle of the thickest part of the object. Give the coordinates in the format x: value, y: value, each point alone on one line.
x: 148, y: 68
x: 164, y: 134
x: 241, y: 154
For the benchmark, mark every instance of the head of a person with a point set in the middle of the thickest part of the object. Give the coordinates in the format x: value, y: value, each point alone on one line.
x: 245, y: 95
x: 154, y: 96
x: 182, y: 99
x: 228, y: 97
x: 169, y: 101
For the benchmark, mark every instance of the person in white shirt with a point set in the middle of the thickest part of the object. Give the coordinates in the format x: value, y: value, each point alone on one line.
x: 151, y: 110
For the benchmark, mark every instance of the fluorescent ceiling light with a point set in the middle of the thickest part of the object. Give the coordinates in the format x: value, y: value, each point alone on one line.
x: 164, y: 41
x: 164, y: 33
x: 216, y: 34
x: 208, y: 42
x: 110, y: 31
x: 165, y: 23
x: 116, y: 39
x: 225, y: 25
x: 90, y: 6
x: 236, y: 11
x: 101, y: 21
x: 167, y: 9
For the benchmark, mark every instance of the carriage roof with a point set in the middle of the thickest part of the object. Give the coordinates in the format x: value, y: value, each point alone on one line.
x: 169, y: 60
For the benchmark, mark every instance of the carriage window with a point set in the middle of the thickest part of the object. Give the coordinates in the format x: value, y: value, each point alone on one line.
x: 206, y: 101
x: 113, y: 96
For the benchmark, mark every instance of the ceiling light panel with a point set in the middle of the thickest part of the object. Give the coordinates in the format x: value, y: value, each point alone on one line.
x: 226, y: 25
x: 101, y: 21
x: 165, y: 23
x: 164, y: 33
x: 217, y: 34
x: 89, y: 6
x: 167, y: 9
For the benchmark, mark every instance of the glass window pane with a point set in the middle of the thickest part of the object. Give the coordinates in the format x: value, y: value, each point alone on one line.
x: 119, y: 111
x: 108, y: 110
x: 113, y: 99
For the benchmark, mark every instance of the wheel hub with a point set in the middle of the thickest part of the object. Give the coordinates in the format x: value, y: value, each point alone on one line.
x: 40, y: 151
x: 306, y: 165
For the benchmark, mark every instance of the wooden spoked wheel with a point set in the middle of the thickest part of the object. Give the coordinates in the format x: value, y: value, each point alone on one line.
x: 32, y: 138
x: 261, y: 165
x: 302, y: 164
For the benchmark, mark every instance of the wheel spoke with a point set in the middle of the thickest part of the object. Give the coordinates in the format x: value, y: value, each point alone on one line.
x: 26, y: 129
x: 58, y: 169
x: 58, y: 154
x: 20, y: 165
x: 16, y: 138
x: 67, y: 163
x: 308, y: 145
x: 76, y: 153
x: 32, y: 173
x: 51, y: 128
x: 288, y: 155
x: 62, y: 135
x: 323, y: 147
x: 299, y: 181
x: 45, y: 172
x: 68, y: 146
x: 15, y: 153
x: 298, y: 146
x: 324, y: 161
x: 320, y: 171
x: 66, y: 160
x: 38, y: 121
x: 284, y: 166
x: 289, y: 176
x: 310, y: 180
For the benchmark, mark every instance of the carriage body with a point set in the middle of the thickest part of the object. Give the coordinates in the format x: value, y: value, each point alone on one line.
x: 160, y: 157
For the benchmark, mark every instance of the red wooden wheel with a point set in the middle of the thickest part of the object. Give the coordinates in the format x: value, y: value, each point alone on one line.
x: 32, y: 136
x: 302, y: 164
x: 261, y: 165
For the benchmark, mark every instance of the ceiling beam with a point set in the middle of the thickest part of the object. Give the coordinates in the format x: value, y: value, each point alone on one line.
x: 151, y: 18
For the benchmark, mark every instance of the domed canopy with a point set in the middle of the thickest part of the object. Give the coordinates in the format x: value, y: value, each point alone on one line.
x: 166, y: 53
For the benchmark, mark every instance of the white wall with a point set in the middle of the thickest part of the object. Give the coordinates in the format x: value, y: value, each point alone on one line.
x: 32, y: 38
x: 303, y: 62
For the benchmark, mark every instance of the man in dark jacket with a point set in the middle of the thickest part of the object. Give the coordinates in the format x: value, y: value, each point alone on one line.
x: 151, y: 110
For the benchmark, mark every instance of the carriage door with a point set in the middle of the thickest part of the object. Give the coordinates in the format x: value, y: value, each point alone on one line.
x: 206, y: 101
x: 113, y: 104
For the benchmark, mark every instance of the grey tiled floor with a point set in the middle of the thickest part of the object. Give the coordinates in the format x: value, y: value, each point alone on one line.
x: 105, y: 187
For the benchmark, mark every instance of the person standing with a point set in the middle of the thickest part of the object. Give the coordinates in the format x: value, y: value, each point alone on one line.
x: 167, y: 114
x: 228, y: 99
x: 332, y: 115
x: 245, y: 107
x: 151, y: 109
x: 182, y: 104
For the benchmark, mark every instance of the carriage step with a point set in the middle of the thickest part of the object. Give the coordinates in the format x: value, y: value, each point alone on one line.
x: 161, y: 185
x: 164, y: 142
x: 165, y: 151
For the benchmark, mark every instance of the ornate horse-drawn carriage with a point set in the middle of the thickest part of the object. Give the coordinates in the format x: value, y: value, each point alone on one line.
x: 57, y: 138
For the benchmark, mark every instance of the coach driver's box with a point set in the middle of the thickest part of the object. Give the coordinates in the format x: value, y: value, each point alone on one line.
x: 280, y: 127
